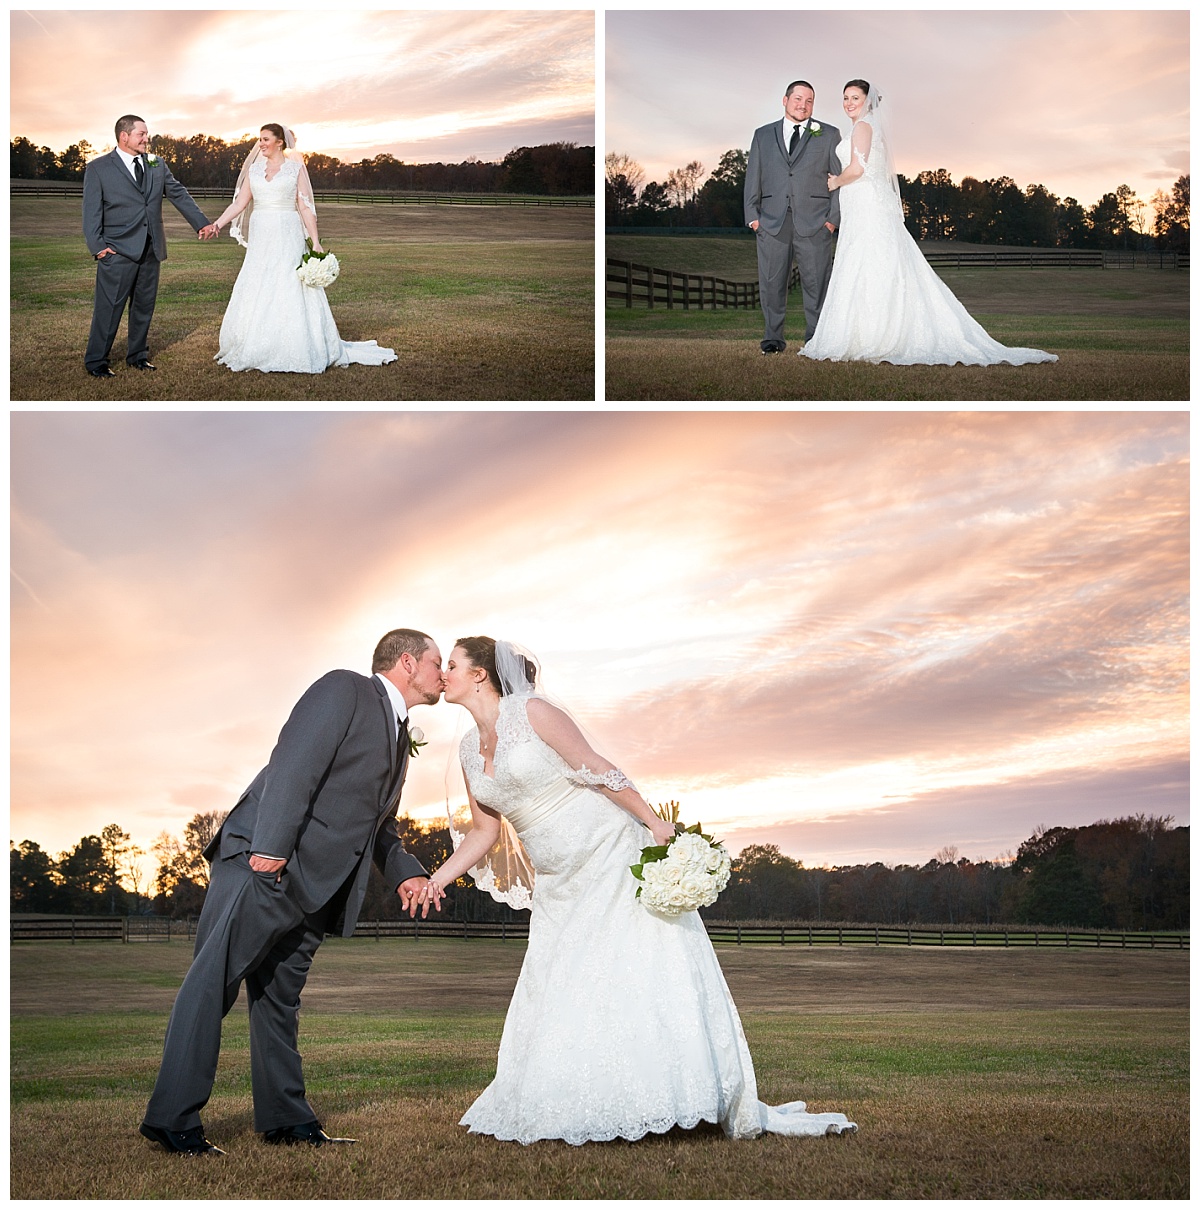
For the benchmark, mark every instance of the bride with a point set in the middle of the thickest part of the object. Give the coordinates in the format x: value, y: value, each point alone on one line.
x: 884, y: 302
x: 621, y: 1022
x: 274, y: 322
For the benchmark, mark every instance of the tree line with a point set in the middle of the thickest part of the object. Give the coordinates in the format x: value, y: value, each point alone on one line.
x: 550, y: 169
x: 1129, y: 874
x: 976, y: 212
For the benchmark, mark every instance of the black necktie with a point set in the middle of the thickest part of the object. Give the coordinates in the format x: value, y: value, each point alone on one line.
x: 794, y: 139
x: 139, y: 173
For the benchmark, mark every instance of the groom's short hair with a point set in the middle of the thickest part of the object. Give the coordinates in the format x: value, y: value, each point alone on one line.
x: 126, y: 124
x: 394, y: 644
x: 800, y: 84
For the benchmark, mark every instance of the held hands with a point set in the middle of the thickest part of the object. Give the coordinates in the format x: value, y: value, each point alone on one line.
x: 208, y: 232
x: 419, y: 892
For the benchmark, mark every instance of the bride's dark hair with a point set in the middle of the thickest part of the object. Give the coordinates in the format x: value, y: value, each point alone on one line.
x: 481, y: 651
x: 276, y: 130
x: 862, y: 84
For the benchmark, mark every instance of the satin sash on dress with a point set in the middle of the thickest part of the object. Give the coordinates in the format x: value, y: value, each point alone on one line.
x: 540, y: 808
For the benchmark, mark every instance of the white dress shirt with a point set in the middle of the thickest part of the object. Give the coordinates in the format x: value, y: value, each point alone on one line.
x: 129, y: 158
x: 788, y: 124
x: 399, y: 706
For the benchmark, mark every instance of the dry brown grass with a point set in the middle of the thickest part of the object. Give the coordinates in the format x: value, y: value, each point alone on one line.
x: 479, y: 303
x: 1119, y: 335
x: 996, y: 1074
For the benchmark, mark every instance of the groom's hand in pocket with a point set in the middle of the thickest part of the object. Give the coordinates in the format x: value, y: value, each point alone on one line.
x: 267, y: 865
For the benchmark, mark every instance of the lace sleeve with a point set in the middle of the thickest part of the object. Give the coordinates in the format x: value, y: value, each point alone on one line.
x: 860, y: 142
x: 610, y: 779
x: 304, y: 189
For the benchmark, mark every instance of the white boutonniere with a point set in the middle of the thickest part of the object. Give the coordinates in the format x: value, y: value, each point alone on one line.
x: 815, y: 129
x: 416, y: 740
x: 153, y: 161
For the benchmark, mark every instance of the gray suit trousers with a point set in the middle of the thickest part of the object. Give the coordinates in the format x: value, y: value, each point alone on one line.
x: 813, y: 254
x: 249, y: 930
x: 120, y: 280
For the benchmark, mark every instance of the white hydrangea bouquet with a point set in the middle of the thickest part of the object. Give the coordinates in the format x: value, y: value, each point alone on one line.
x: 686, y: 873
x: 318, y: 269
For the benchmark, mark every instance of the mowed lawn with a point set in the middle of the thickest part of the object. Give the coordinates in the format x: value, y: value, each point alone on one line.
x: 1119, y: 334
x: 479, y: 302
x: 1045, y: 1074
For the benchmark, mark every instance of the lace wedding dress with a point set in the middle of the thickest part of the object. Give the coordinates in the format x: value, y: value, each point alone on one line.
x: 621, y: 1022
x: 884, y: 302
x: 273, y: 321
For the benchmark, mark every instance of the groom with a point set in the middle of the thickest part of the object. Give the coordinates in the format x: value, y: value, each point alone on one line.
x: 790, y: 208
x: 289, y: 865
x: 122, y: 223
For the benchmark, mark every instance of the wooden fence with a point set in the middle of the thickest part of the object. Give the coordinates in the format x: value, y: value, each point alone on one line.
x: 644, y: 285
x: 648, y: 286
x: 156, y: 928
x: 75, y: 189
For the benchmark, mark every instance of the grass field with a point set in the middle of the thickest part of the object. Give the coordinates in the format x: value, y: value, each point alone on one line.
x: 971, y: 1074
x: 480, y: 303
x: 1119, y: 334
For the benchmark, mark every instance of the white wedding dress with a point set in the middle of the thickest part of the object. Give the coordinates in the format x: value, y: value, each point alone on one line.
x: 621, y: 1022
x: 884, y: 301
x: 273, y: 322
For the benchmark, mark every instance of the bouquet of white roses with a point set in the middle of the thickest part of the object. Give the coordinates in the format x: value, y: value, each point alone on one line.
x: 318, y: 269
x: 686, y: 873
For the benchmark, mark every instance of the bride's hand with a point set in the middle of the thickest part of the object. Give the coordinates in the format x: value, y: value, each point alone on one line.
x: 317, y: 246
x: 833, y: 182
x: 662, y: 831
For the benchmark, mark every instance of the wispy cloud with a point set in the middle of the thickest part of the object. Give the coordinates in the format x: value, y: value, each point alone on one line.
x: 422, y: 85
x: 804, y: 625
x: 983, y: 94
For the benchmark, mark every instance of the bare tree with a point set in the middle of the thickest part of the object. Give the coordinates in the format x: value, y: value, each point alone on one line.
x: 618, y: 164
x: 683, y: 183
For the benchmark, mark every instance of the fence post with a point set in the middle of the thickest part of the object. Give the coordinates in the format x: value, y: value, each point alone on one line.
x: 839, y: 934
x: 739, y: 934
x: 877, y: 934
x: 72, y: 930
x: 628, y: 290
x: 124, y: 930
x: 781, y: 934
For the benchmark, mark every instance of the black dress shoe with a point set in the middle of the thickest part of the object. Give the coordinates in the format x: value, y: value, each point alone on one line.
x: 141, y: 365
x: 307, y: 1132
x: 182, y: 1142
x: 773, y: 346
x: 101, y: 372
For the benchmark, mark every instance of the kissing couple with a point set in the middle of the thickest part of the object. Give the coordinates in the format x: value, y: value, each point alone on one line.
x: 620, y: 1023
x: 274, y: 321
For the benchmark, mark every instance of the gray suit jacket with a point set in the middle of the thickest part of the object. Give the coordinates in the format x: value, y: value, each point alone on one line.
x: 117, y: 215
x: 327, y: 799
x: 776, y: 182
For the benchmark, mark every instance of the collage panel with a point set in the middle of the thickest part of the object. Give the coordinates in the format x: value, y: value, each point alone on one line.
x: 379, y: 207
x: 896, y: 205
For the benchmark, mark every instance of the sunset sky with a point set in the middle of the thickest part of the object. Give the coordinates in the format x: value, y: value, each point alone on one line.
x: 859, y: 636
x: 1079, y: 101
x: 422, y: 85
